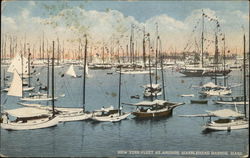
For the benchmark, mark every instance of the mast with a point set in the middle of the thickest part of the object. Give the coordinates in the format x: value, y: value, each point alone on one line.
x: 29, y: 54
x: 131, y: 45
x: 52, y: 83
x: 40, y: 50
x: 202, y: 39
x: 143, y: 48
x: 156, y: 53
x: 162, y: 73
x: 224, y: 60
x: 58, y: 51
x: 84, y: 72
x: 244, y: 74
x: 127, y: 53
x: 150, y: 77
x: 22, y: 73
x: 48, y: 75
x: 43, y: 46
x: 63, y: 51
x: 216, y: 58
x: 1, y: 83
x: 119, y: 100
x: 103, y: 54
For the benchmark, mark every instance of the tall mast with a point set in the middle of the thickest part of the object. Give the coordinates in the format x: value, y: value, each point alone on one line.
x: 103, y: 54
x: 216, y: 58
x: 162, y: 73
x: 63, y: 51
x: 131, y: 45
x: 43, y: 46
x: 79, y: 49
x: 224, y: 60
x: 144, y: 49
x: 40, y: 50
x: 118, y: 53
x: 156, y: 53
x: 119, y: 99
x: 202, y: 39
x: 52, y: 83
x: 22, y: 73
x: 29, y: 54
x: 127, y: 53
x: 244, y: 74
x: 1, y: 82
x: 84, y: 72
x: 48, y: 74
x: 58, y: 51
x: 149, y: 62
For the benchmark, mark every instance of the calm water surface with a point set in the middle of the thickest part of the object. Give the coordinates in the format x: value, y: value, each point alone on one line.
x: 86, y: 138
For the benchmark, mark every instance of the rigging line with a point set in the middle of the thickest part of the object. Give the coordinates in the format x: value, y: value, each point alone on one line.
x: 125, y: 85
x: 100, y: 87
x: 70, y: 97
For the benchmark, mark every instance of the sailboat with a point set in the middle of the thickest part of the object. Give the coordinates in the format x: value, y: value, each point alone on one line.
x: 75, y: 114
x: 227, y: 119
x: 71, y: 72
x: 211, y: 89
x: 157, y: 107
x: 153, y: 90
x: 111, y: 114
x: 38, y: 96
x: 192, y: 71
x: 64, y: 114
x: 239, y: 121
x: 22, y: 66
x: 26, y: 118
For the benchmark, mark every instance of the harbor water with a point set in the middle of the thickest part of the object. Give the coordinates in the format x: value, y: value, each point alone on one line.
x: 172, y: 136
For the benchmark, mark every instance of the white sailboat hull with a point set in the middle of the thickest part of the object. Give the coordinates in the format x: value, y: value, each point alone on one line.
x: 238, y: 124
x: 135, y: 72
x: 111, y: 118
x: 217, y: 93
x: 75, y: 116
x: 231, y: 103
x: 31, y: 124
x: 38, y: 99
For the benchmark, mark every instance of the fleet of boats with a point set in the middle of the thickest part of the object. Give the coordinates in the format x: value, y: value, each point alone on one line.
x: 153, y: 104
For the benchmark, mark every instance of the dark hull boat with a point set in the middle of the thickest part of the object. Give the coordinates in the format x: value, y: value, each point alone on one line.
x: 156, y: 108
x: 198, y: 101
x: 203, y: 72
x: 165, y: 112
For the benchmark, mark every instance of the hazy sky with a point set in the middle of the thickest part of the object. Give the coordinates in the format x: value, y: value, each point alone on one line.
x: 106, y: 20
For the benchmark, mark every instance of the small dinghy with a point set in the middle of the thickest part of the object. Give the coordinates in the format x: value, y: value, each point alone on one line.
x: 198, y: 101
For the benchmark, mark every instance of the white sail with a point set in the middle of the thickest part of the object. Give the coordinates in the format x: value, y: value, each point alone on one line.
x: 87, y: 70
x: 16, y: 86
x: 71, y: 71
x: 16, y: 65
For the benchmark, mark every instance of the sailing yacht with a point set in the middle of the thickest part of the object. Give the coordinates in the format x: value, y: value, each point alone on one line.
x: 111, y: 114
x: 211, y: 89
x: 228, y: 120
x: 201, y: 70
x: 157, y: 107
x: 75, y: 114
x: 26, y: 118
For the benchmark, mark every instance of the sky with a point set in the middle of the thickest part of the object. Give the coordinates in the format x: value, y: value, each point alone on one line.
x: 109, y: 22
